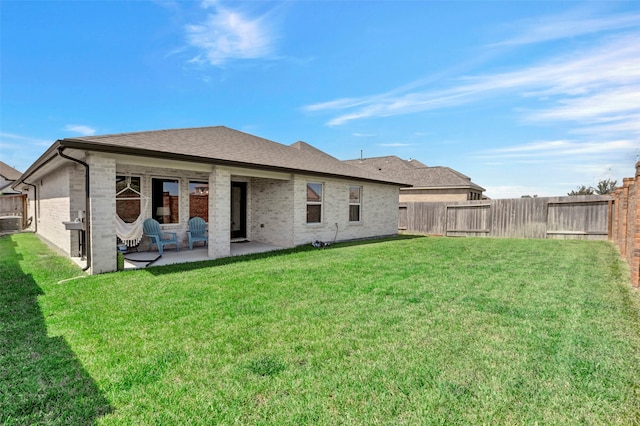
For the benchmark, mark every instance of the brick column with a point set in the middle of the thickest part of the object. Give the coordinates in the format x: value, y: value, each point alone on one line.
x: 219, y: 213
x: 102, y: 205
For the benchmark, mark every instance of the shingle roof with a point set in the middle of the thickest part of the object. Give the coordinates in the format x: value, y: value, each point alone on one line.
x: 221, y: 144
x: 415, y: 172
x: 8, y: 172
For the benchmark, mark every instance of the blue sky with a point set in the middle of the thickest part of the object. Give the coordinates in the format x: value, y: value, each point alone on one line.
x: 523, y: 97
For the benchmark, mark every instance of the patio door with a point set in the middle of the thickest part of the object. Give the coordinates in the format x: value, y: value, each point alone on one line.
x: 238, y: 210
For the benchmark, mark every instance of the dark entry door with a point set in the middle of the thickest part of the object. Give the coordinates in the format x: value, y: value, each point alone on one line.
x: 238, y: 210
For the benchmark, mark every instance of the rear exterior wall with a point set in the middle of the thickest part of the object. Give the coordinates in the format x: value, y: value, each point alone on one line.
x: 379, y: 211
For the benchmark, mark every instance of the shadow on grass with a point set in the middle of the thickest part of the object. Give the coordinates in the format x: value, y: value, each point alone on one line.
x: 190, y: 266
x: 41, y: 380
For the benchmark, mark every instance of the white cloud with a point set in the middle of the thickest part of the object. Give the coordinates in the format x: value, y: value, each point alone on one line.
x: 549, y: 28
x: 18, y: 150
x: 11, y: 139
x: 591, y: 86
x: 602, y: 105
x: 396, y: 144
x: 81, y: 129
x: 621, y: 124
x: 227, y: 34
x: 560, y: 149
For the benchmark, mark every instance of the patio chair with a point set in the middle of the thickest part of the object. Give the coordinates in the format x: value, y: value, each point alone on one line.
x: 197, y: 231
x: 153, y: 231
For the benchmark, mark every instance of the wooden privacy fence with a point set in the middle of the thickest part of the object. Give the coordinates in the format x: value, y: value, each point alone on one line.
x: 576, y: 217
x: 13, y: 210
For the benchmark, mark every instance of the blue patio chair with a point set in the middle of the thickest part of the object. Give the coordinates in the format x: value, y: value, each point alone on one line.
x: 153, y: 231
x: 197, y: 231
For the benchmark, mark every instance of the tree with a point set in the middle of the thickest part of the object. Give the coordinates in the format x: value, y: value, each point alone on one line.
x: 606, y: 186
x: 582, y: 190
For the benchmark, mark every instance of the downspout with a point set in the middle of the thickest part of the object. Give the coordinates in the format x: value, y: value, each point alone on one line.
x: 35, y: 205
x: 87, y: 242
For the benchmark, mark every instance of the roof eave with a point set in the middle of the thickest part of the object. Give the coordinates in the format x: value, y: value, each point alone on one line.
x: 447, y: 187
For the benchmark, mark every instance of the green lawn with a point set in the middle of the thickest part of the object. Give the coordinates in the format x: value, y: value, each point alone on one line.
x: 400, y: 331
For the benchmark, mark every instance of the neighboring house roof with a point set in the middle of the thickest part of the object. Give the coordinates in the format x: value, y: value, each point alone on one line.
x: 416, y: 173
x: 8, y: 172
x: 218, y: 145
x: 8, y: 175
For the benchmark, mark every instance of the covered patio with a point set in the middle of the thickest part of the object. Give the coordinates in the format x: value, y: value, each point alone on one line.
x: 139, y: 260
x: 143, y: 259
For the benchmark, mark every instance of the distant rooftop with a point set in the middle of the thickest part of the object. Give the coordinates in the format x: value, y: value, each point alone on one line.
x: 8, y: 172
x: 416, y: 173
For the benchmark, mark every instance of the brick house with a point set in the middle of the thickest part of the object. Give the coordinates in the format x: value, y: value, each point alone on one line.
x: 244, y: 186
x: 428, y: 183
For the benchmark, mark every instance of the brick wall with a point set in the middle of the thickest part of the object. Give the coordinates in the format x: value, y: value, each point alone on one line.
x: 272, y: 214
x: 55, y: 208
x: 219, y: 218
x: 199, y: 206
x: 128, y: 210
x: 626, y: 223
x: 102, y: 187
x: 379, y: 211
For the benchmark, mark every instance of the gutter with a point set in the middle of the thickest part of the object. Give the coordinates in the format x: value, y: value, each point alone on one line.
x: 87, y: 213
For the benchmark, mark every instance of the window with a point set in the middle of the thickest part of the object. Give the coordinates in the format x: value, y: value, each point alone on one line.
x: 355, y: 201
x: 126, y: 187
x: 314, y: 202
x: 164, y: 200
x: 199, y: 200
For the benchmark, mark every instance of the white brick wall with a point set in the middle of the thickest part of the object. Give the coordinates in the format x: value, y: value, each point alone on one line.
x: 54, y: 208
x: 219, y: 218
x: 276, y: 209
x: 102, y: 187
x: 272, y: 211
x: 379, y: 211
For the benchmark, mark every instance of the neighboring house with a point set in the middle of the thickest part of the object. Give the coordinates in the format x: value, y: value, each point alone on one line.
x: 428, y: 183
x: 7, y: 176
x: 244, y: 186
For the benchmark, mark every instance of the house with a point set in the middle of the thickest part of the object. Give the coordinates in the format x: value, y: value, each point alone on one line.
x: 8, y: 175
x: 85, y: 191
x: 428, y: 183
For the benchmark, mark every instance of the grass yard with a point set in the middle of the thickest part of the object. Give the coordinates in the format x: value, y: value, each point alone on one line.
x: 400, y: 331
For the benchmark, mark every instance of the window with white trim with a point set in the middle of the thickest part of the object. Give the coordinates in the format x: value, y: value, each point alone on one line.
x: 355, y: 203
x: 314, y: 202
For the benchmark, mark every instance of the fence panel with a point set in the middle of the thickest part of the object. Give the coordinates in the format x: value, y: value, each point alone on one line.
x: 584, y: 217
x: 13, y: 210
x: 468, y: 220
x: 566, y: 220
